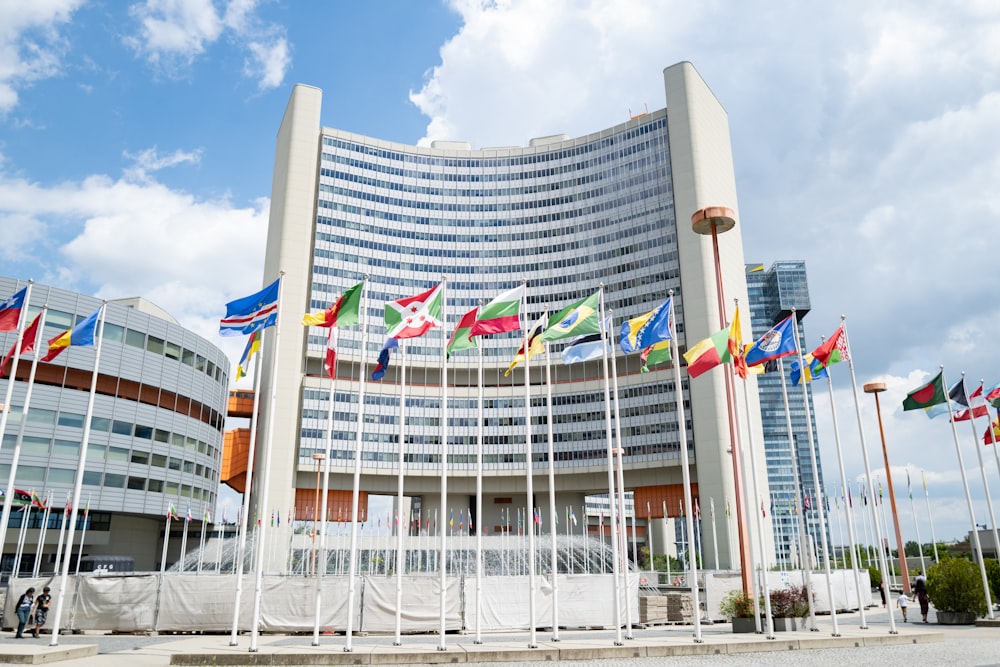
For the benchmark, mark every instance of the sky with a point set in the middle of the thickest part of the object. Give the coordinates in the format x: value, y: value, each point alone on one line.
x: 137, y: 145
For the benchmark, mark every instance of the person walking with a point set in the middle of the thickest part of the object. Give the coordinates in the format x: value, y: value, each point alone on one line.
x: 903, y: 602
x: 920, y: 588
x: 23, y: 608
x: 42, y: 603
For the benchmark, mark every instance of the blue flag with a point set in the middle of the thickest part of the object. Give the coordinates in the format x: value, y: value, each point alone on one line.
x: 646, y: 330
x: 776, y: 343
x: 383, y: 358
x: 251, y: 313
x: 814, y: 370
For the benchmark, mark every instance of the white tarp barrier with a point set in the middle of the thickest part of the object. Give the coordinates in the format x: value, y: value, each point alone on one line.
x: 584, y: 601
x: 718, y: 585
x: 17, y: 586
x: 118, y: 604
x: 421, y: 604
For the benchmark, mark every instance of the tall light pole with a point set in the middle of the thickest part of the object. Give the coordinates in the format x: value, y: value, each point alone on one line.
x: 876, y: 388
x: 318, y: 457
x: 712, y: 221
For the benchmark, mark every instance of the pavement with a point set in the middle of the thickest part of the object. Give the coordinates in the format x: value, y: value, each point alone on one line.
x: 929, y: 644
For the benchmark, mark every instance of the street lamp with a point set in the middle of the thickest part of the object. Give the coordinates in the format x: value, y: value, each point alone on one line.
x: 317, y: 457
x: 712, y: 221
x: 876, y: 388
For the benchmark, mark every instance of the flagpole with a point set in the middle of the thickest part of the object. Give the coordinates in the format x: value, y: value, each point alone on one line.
x: 22, y: 535
x: 184, y: 540
x: 15, y: 457
x: 620, y: 497
x: 968, y: 500
x: 870, y: 487
x: 666, y: 540
x: 78, y: 485
x: 479, y: 490
x: 22, y: 319
x: 611, y: 490
x: 355, y: 491
x: 685, y: 470
x: 916, y: 524
x: 844, y: 489
x: 83, y: 534
x: 399, y: 493
x: 529, y: 482
x: 332, y: 339
x: 41, y: 535
x: 715, y: 533
x: 804, y: 552
x: 261, y: 536
x: 820, y: 510
x: 982, y: 467
x: 243, y: 515
x: 62, y: 527
x: 758, y: 519
x: 552, y: 492
x: 201, y: 543
x: 443, y: 575
x: 930, y: 519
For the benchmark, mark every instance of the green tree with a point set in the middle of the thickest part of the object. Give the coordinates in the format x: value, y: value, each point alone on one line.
x: 911, y: 548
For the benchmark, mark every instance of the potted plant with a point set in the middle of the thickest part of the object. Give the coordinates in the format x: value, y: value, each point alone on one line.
x: 955, y: 586
x: 788, y: 606
x: 738, y: 607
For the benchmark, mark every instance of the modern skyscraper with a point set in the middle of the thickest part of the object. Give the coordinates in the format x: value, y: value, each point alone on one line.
x: 773, y: 293
x: 565, y: 215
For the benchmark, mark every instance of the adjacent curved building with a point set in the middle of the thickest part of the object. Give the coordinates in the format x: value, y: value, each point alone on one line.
x: 564, y: 214
x: 156, y: 430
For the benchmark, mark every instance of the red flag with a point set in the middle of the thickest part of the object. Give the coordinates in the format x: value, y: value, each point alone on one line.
x: 28, y: 341
x: 330, y: 362
x: 987, y: 438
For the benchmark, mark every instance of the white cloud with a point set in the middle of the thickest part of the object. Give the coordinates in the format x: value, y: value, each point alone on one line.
x: 30, y: 44
x: 174, y: 33
x: 150, y: 160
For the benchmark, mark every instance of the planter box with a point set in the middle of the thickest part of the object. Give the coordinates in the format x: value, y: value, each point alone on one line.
x: 789, y: 623
x: 956, y: 617
x: 744, y: 625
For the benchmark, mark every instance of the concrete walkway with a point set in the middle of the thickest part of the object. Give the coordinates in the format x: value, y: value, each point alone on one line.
x: 574, y: 646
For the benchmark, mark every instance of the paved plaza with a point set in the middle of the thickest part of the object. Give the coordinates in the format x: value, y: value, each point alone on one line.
x: 915, y: 643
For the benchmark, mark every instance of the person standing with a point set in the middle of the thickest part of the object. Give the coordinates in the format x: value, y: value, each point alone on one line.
x: 42, y: 603
x: 23, y: 608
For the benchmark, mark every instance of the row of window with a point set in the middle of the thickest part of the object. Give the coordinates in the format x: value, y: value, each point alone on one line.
x: 604, y: 143
x: 41, y: 477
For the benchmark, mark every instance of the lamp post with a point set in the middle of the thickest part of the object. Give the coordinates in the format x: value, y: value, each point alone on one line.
x: 318, y: 457
x: 712, y: 221
x: 876, y: 388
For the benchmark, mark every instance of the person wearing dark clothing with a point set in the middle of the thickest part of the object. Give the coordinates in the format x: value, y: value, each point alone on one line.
x: 23, y: 608
x: 42, y: 603
x: 881, y: 591
x: 920, y: 588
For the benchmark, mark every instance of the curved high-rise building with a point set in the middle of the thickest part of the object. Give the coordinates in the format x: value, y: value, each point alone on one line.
x: 566, y: 216
x: 155, y: 431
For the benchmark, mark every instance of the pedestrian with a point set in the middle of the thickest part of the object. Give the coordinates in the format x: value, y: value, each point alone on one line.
x: 920, y: 588
x: 881, y: 591
x: 23, y: 608
x: 902, y: 602
x: 42, y: 603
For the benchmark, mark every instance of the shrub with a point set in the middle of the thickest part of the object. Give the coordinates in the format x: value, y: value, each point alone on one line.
x: 789, y: 601
x: 956, y: 585
x: 993, y: 576
x: 875, y: 575
x: 736, y: 604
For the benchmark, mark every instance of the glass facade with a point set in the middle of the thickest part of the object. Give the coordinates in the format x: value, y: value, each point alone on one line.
x: 565, y: 217
x: 773, y: 293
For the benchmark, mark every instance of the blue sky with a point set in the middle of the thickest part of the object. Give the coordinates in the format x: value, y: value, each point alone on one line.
x: 137, y: 138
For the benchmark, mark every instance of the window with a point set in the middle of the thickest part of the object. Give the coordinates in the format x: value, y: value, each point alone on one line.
x: 173, y: 350
x: 135, y: 338
x: 174, y: 464
x: 137, y: 483
x: 112, y: 481
x: 96, y: 452
x: 117, y: 455
x: 142, y: 458
x: 31, y: 474
x: 161, y: 435
x: 33, y: 445
x: 171, y: 489
x: 113, y: 333
x: 92, y: 477
x: 38, y: 416
x: 60, y: 476
x: 71, y: 419
x: 154, y: 486
x: 121, y: 428
x: 100, y: 424
x: 144, y: 432
x: 187, y: 358
x: 66, y: 448
x: 154, y: 345
x: 59, y: 319
x: 159, y: 461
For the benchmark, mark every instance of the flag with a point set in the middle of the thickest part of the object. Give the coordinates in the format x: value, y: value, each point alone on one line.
x: 383, y: 358
x: 909, y: 489
x: 451, y: 518
x: 537, y: 517
x: 10, y: 310
x: 729, y: 513
x: 766, y: 367
x: 646, y: 330
x: 499, y: 315
x: 577, y: 319
x: 736, y: 350
x: 251, y: 313
x: 189, y: 518
x: 28, y: 340
x: 993, y: 396
x: 988, y: 438
x: 80, y: 335
x: 763, y: 509
x: 940, y: 409
x: 977, y: 407
x: 708, y: 353
x: 330, y: 356
x: 776, y: 343
x: 460, y: 339
x: 413, y: 316
x: 252, y: 348
x: 814, y: 371
x: 957, y: 393
x: 654, y: 355
x: 586, y: 347
x: 535, y: 344
x: 572, y: 516
x: 341, y: 313
x: 926, y: 395
x: 207, y: 515
x: 171, y: 512
x: 833, y: 350
x: 36, y: 501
